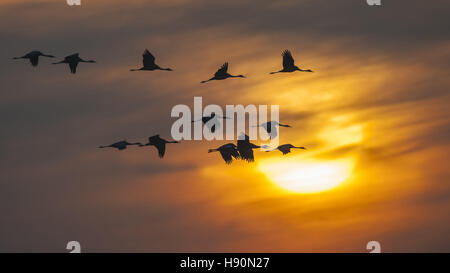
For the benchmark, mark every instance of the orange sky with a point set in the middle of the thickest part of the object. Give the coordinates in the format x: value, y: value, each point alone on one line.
x: 378, y: 99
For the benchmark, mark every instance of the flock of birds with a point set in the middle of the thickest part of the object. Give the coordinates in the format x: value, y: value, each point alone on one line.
x: 72, y: 60
x: 242, y: 150
x: 156, y: 141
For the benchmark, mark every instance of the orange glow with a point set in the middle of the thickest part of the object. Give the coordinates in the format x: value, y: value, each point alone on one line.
x: 308, y: 176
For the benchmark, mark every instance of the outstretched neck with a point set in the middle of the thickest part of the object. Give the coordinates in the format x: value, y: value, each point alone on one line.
x: 207, y: 80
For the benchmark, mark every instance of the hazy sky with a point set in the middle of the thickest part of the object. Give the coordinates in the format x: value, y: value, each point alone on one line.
x: 378, y: 99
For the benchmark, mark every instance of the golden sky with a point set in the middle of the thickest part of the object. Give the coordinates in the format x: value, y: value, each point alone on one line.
x: 374, y: 117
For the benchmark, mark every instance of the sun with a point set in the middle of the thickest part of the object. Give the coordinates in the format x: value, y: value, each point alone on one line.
x: 308, y: 177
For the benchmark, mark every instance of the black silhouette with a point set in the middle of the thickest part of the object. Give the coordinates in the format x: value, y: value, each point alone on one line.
x: 286, y: 148
x: 228, y: 152
x: 205, y: 120
x: 271, y: 129
x: 73, y: 61
x: 222, y: 74
x: 159, y: 143
x: 121, y: 145
x: 245, y: 148
x: 288, y: 64
x: 148, y: 61
x: 33, y: 56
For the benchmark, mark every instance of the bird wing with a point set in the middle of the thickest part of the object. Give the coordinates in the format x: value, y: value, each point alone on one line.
x: 274, y: 133
x: 159, y: 143
x: 226, y: 155
x: 154, y: 139
x: 231, y: 148
x: 245, y: 150
x: 234, y: 153
x: 247, y: 154
x: 212, y: 123
x: 268, y: 127
x: 246, y: 138
x: 161, y: 149
x: 222, y: 70
x: 34, y: 60
x: 288, y: 61
x: 72, y: 57
x: 73, y: 67
x: 148, y: 59
x: 121, y: 145
x: 284, y: 149
x: 206, y: 119
x: 271, y: 129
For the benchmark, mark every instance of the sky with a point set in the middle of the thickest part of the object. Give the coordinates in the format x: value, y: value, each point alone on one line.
x: 374, y: 114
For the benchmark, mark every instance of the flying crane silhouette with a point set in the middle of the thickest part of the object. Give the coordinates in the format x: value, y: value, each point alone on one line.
x: 121, y: 145
x: 286, y: 148
x: 73, y: 61
x: 227, y: 151
x: 33, y: 56
x: 148, y: 61
x: 205, y: 119
x: 288, y: 64
x: 222, y: 74
x: 245, y: 148
x: 271, y: 129
x: 159, y: 143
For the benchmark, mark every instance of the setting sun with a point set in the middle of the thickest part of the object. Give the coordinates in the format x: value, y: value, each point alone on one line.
x: 308, y: 177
